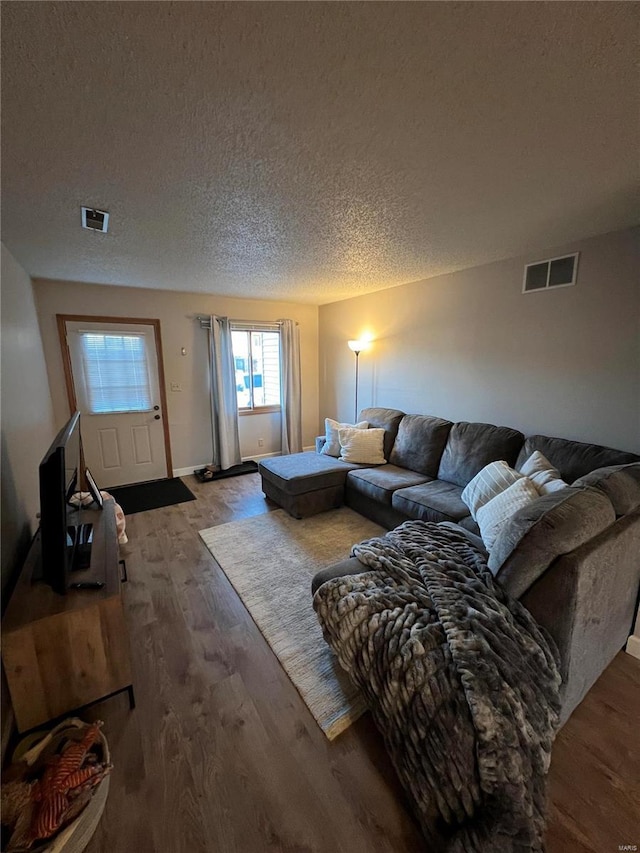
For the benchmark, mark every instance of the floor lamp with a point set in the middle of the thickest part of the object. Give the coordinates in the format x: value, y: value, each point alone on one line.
x: 356, y: 347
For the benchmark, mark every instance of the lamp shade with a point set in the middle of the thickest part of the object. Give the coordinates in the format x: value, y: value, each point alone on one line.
x: 357, y: 346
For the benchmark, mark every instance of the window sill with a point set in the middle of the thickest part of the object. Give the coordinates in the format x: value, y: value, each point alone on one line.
x: 259, y: 410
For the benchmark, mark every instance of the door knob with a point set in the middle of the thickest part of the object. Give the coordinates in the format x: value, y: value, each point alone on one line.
x: 156, y: 408
x: 156, y: 417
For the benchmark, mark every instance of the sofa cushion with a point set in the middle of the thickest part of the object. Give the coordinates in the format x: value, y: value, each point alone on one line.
x: 487, y: 484
x: 574, y: 458
x: 475, y: 540
x: 470, y: 524
x: 362, y: 445
x: 386, y: 419
x: 350, y: 566
x: 545, y: 476
x: 433, y: 501
x: 471, y: 446
x: 494, y: 514
x: 419, y: 443
x: 552, y: 525
x: 331, y: 445
x: 379, y: 484
x: 620, y: 483
x: 304, y: 472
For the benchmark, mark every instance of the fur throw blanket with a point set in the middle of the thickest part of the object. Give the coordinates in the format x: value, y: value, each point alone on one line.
x: 461, y: 681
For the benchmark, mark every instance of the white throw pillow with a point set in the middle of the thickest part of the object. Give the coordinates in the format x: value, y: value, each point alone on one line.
x: 331, y: 446
x: 489, y: 482
x: 362, y: 445
x: 498, y: 510
x: 545, y: 477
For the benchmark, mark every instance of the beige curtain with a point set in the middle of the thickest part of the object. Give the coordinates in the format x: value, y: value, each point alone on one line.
x: 290, y: 387
x: 224, y: 401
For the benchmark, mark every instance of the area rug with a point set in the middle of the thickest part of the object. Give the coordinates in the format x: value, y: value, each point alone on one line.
x: 270, y: 559
x: 158, y: 493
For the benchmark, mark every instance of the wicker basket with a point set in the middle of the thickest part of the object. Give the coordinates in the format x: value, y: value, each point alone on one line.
x: 74, y: 837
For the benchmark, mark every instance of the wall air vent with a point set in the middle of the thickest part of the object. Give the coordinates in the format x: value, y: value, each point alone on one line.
x: 95, y: 220
x: 555, y: 272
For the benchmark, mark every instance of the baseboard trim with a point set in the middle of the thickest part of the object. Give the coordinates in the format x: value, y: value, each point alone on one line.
x: 184, y: 472
x: 633, y: 646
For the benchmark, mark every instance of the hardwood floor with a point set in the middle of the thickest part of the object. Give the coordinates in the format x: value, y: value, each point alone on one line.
x: 595, y: 768
x: 222, y: 755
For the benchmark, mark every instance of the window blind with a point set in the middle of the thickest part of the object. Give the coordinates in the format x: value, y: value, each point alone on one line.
x: 116, y: 372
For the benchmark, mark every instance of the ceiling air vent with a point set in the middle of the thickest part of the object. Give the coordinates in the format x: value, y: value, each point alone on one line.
x: 95, y: 220
x: 545, y: 275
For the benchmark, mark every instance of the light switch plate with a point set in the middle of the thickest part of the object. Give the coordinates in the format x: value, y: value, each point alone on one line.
x: 175, y: 386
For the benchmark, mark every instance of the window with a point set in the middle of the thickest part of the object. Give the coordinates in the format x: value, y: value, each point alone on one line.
x: 116, y: 375
x: 257, y: 360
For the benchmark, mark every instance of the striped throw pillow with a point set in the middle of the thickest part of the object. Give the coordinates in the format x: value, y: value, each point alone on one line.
x: 489, y: 482
x: 492, y: 515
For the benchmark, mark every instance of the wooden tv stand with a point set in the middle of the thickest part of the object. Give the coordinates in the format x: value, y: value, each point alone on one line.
x: 62, y: 652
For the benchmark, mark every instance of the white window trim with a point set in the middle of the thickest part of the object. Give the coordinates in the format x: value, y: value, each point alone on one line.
x: 257, y: 327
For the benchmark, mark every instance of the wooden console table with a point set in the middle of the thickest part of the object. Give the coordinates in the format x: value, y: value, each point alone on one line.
x: 62, y: 652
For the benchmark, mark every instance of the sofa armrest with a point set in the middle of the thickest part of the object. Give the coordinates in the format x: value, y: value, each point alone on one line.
x: 350, y: 566
x: 586, y: 601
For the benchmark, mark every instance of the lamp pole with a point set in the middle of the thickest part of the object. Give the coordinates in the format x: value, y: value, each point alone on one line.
x: 355, y: 417
x: 356, y: 347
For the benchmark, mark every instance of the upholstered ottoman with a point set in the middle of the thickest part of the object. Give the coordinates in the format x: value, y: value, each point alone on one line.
x: 305, y: 483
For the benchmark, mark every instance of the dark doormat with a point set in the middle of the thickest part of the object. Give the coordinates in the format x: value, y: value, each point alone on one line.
x: 153, y: 495
x: 206, y: 476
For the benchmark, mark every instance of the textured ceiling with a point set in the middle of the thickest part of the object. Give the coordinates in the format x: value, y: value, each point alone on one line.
x: 311, y: 151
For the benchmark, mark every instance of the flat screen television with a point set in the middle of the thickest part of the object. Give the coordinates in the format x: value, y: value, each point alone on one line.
x: 65, y: 540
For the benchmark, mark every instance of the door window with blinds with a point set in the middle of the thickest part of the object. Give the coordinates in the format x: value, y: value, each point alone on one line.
x: 115, y: 373
x: 256, y: 354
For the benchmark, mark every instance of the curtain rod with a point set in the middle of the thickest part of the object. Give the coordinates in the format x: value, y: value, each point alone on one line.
x: 205, y: 322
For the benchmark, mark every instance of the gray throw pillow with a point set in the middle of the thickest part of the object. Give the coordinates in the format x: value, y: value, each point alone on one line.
x: 552, y: 525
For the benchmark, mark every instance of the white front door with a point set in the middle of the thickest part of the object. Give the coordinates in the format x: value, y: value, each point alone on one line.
x: 114, y: 369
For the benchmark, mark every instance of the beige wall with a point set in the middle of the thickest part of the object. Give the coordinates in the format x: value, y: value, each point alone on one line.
x: 189, y: 411
x: 27, y: 415
x: 471, y: 346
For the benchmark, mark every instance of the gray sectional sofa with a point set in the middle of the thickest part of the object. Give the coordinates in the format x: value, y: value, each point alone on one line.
x: 572, y: 557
